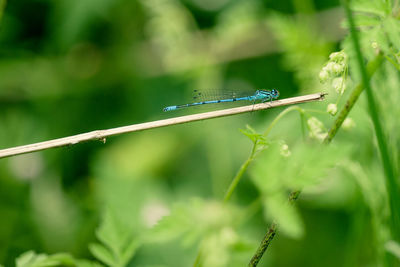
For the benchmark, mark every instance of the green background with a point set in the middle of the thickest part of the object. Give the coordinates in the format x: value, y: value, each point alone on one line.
x: 73, y: 66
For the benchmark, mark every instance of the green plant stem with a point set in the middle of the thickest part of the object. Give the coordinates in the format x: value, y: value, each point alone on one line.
x: 271, y: 232
x: 246, y: 164
x: 263, y: 245
x: 392, y: 185
x: 197, y: 260
x: 269, y: 235
x: 280, y: 116
x: 372, y: 66
x: 239, y: 175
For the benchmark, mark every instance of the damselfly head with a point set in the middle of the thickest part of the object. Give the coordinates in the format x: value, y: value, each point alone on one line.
x: 274, y: 93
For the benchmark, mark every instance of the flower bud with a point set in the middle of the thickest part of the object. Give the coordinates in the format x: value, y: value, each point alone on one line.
x: 332, y: 109
x: 285, y: 152
x: 323, y: 75
x: 348, y: 124
x: 316, y: 128
x: 339, y: 85
x: 338, y: 68
x: 340, y: 57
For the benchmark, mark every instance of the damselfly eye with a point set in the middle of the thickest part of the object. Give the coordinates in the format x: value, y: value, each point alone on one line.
x: 274, y: 93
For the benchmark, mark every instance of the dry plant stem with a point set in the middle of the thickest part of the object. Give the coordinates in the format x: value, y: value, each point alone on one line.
x: 372, y: 66
x: 103, y: 134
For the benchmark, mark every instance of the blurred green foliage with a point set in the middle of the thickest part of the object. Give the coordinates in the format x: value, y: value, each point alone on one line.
x: 156, y: 198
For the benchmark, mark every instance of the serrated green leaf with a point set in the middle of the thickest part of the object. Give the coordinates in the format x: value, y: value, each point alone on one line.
x: 103, y: 254
x: 277, y: 207
x: 276, y: 175
x: 222, y: 248
x: 376, y: 34
x: 250, y: 133
x: 110, y: 232
x: 129, y: 251
x: 172, y: 226
x: 87, y: 263
x: 118, y: 243
x: 31, y: 259
x: 24, y: 259
x: 193, y: 220
x: 255, y: 137
x: 304, y: 50
x: 393, y: 247
x: 63, y: 258
x: 377, y: 7
x: 362, y: 20
x: 307, y: 165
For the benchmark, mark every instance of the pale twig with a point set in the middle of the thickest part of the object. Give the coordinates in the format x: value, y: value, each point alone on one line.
x: 103, y: 134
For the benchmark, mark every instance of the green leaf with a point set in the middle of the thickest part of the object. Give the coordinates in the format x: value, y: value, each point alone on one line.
x: 376, y: 34
x: 176, y: 224
x: 219, y: 248
x: 193, y: 220
x: 393, y: 247
x: 377, y: 7
x: 278, y: 208
x: 304, y: 50
x: 118, y: 243
x: 25, y: 259
x: 129, y: 251
x: 362, y: 20
x: 31, y: 259
x: 275, y: 175
x: 110, y: 232
x: 236, y: 21
x: 87, y: 263
x: 64, y: 259
x: 253, y: 135
x: 103, y: 254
